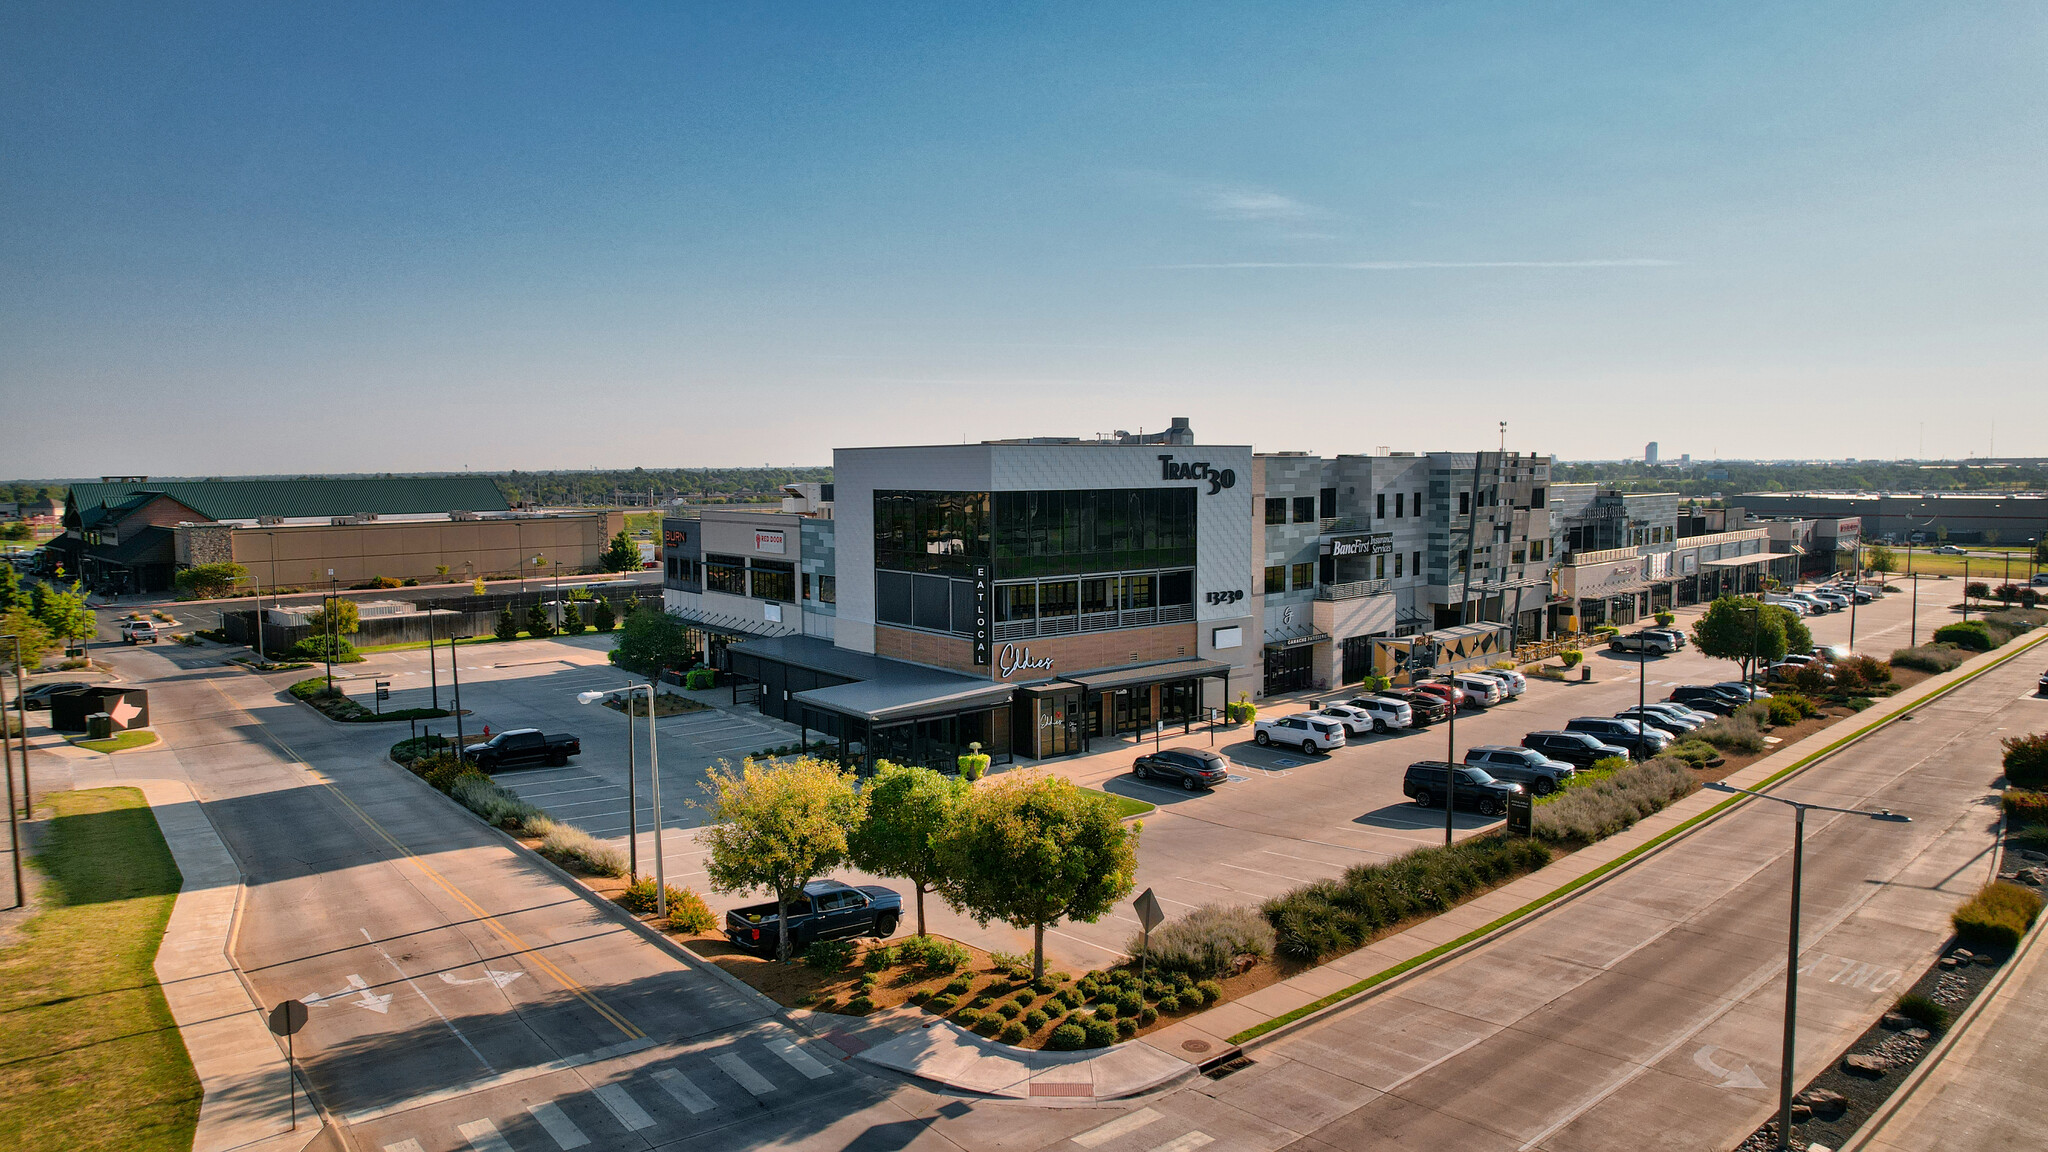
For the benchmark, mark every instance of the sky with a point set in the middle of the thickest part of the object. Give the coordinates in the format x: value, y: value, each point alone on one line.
x: 271, y: 238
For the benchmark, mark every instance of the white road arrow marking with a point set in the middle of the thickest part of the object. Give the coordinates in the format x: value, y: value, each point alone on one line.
x: 370, y: 1000
x: 490, y: 976
x: 1746, y: 1078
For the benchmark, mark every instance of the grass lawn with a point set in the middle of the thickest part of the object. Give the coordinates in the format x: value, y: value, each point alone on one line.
x: 117, y: 742
x: 1125, y: 806
x: 90, y: 1057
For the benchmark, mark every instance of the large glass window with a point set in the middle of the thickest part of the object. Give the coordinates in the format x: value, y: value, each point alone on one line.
x: 941, y: 532
x: 1176, y: 588
x: 828, y: 590
x: 1070, y: 533
x: 1058, y: 599
x: 1101, y: 594
x: 1140, y: 591
x: 1276, y: 509
x: 892, y: 597
x: 1016, y: 602
x: 1304, y: 576
x: 1304, y: 509
x: 1276, y: 578
x: 774, y: 580
x: 726, y: 574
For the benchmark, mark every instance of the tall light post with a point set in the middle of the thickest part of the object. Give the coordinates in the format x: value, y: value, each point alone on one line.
x: 1913, y: 629
x: 1799, y: 810
x: 1855, y: 585
x: 330, y: 630
x: 654, y: 772
x: 28, y: 798
x: 7, y: 746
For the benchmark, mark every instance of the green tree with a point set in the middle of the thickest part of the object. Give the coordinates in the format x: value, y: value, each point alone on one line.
x: 17, y: 530
x: 908, y: 808
x: 537, y: 623
x: 346, y: 617
x: 572, y: 619
x: 651, y: 641
x: 603, y: 618
x: 10, y: 587
x: 65, y: 615
x: 1798, y: 638
x: 1734, y: 628
x: 777, y: 826
x: 621, y: 555
x: 1031, y: 849
x: 35, y: 637
x: 1879, y: 558
x: 2041, y: 552
x: 210, y: 581
x: 477, y: 587
x: 508, y: 625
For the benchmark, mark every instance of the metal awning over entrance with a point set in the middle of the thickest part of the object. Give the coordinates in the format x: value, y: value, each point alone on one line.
x: 1301, y: 641
x: 729, y: 625
x: 1752, y: 558
x: 1114, y: 678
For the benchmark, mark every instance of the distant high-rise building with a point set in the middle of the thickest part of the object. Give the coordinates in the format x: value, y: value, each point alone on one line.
x: 1650, y: 453
x: 1685, y: 460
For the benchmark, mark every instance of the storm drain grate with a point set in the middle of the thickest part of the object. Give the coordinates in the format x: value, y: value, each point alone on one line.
x: 1227, y: 1067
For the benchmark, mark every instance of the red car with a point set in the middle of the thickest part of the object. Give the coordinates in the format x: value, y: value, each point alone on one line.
x: 1450, y: 694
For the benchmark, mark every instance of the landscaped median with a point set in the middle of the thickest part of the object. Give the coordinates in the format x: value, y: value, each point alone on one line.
x: 335, y: 704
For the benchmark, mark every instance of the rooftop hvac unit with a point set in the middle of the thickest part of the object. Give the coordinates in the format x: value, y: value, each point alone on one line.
x: 462, y: 514
x: 269, y: 521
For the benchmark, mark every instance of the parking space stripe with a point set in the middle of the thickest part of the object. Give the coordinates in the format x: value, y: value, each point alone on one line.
x: 749, y: 1079
x: 407, y: 1145
x: 628, y: 1111
x: 797, y: 1058
x: 1130, y: 1122
x: 683, y: 1091
x: 1187, y: 1143
x: 558, y: 1125
x: 483, y: 1136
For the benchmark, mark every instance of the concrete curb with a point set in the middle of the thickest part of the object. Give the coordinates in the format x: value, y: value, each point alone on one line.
x: 1399, y: 973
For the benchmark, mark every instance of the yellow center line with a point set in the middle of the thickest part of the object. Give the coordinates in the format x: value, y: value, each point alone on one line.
x: 512, y: 940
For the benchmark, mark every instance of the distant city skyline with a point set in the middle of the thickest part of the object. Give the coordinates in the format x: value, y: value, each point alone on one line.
x: 339, y: 238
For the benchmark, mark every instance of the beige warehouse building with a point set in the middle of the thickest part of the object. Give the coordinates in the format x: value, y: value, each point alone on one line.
x: 407, y: 548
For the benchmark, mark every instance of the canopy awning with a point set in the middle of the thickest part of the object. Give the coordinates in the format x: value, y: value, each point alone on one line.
x: 1753, y: 558
x: 1111, y: 679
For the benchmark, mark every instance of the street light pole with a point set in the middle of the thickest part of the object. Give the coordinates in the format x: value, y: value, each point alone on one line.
x: 1913, y: 633
x: 28, y: 795
x: 1855, y: 584
x: 654, y: 772
x: 1451, y: 759
x: 330, y: 630
x: 13, y: 827
x: 1785, y: 1068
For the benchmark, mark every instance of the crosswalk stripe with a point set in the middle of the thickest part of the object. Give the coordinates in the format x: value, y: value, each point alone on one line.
x: 798, y: 1059
x: 737, y: 1068
x: 404, y: 1146
x: 629, y: 1112
x: 483, y: 1136
x: 683, y: 1090
x: 558, y: 1125
x: 1187, y: 1143
x: 1115, y: 1128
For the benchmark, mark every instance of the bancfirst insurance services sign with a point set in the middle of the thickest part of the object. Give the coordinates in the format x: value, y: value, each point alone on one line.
x: 1361, y: 544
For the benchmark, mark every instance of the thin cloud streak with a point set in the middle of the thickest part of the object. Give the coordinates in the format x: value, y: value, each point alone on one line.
x: 1413, y: 265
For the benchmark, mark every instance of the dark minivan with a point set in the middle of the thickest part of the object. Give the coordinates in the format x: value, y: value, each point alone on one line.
x: 1427, y: 782
x: 1191, y: 768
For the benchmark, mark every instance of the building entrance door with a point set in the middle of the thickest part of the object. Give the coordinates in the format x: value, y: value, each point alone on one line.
x: 1288, y: 669
x: 1057, y: 734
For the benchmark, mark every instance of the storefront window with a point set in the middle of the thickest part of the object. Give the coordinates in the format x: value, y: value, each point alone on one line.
x: 1139, y: 592
x: 1101, y: 594
x: 1059, y: 599
x: 828, y: 590
x: 774, y: 580
x: 1016, y: 602
x: 942, y: 532
x: 1176, y: 588
x: 726, y: 574
x: 1068, y: 533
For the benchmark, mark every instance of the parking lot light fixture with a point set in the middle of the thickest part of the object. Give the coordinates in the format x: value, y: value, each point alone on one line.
x: 1799, y: 810
x: 632, y: 799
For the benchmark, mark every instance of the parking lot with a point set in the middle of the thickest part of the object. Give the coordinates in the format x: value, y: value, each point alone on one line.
x: 1282, y: 819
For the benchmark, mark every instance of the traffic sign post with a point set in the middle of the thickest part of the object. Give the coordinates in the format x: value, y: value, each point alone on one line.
x: 383, y: 694
x: 1150, y: 916
x: 285, y: 1020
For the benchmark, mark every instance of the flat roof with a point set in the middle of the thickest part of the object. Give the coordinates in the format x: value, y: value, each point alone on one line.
x: 883, y: 689
x: 1114, y: 678
x: 1752, y: 558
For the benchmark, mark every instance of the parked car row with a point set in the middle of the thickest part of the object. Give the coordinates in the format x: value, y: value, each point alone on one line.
x: 1657, y: 641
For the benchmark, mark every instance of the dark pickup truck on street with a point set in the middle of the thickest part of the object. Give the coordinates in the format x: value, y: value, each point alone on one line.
x: 519, y: 747
x: 828, y: 910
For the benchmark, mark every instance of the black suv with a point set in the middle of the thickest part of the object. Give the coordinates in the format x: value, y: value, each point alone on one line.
x: 1427, y: 782
x: 1426, y: 709
x: 1191, y: 768
x: 1640, y: 739
x: 1705, y: 698
x: 1525, y: 766
x: 1581, y: 749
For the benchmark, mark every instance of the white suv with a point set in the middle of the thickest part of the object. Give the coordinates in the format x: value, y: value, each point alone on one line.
x: 1386, y: 713
x: 1483, y: 691
x: 1512, y: 681
x: 137, y: 632
x: 1356, y: 721
x: 1308, y: 733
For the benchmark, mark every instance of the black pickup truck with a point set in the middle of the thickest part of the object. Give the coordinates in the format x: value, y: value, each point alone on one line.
x: 828, y: 910
x: 518, y: 747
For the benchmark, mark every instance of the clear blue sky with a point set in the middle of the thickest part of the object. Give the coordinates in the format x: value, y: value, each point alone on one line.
x: 261, y: 238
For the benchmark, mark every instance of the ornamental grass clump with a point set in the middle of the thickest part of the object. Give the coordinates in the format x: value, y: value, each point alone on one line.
x: 572, y: 847
x: 491, y: 801
x: 1600, y: 808
x: 1737, y: 733
x: 1929, y: 657
x: 1332, y: 916
x: 1208, y: 941
x: 1997, y: 916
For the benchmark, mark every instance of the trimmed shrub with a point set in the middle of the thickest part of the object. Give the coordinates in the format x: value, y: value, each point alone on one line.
x: 1997, y: 916
x: 1922, y: 1011
x: 1025, y: 996
x: 572, y: 847
x: 1129, y: 1002
x: 1783, y: 712
x: 1012, y: 1033
x: 1100, y: 1033
x: 1010, y: 1009
x: 958, y: 985
x: 1036, y: 1019
x: 1693, y: 753
x: 829, y: 955
x: 1067, y: 1037
x: 1331, y: 916
x: 860, y: 1005
x: 940, y: 1004
x: 1583, y: 814
x: 2026, y: 761
x: 2025, y: 807
x: 878, y: 957
x: 1738, y: 733
x: 1929, y: 657
x: 1105, y: 1011
x: 1211, y: 992
x: 1148, y: 1016
x: 971, y: 765
x: 1572, y: 657
x: 933, y: 954
x: 1970, y: 634
x: 1126, y: 1028
x: 638, y: 898
x: 689, y: 913
x: 967, y: 1017
x: 1208, y: 940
